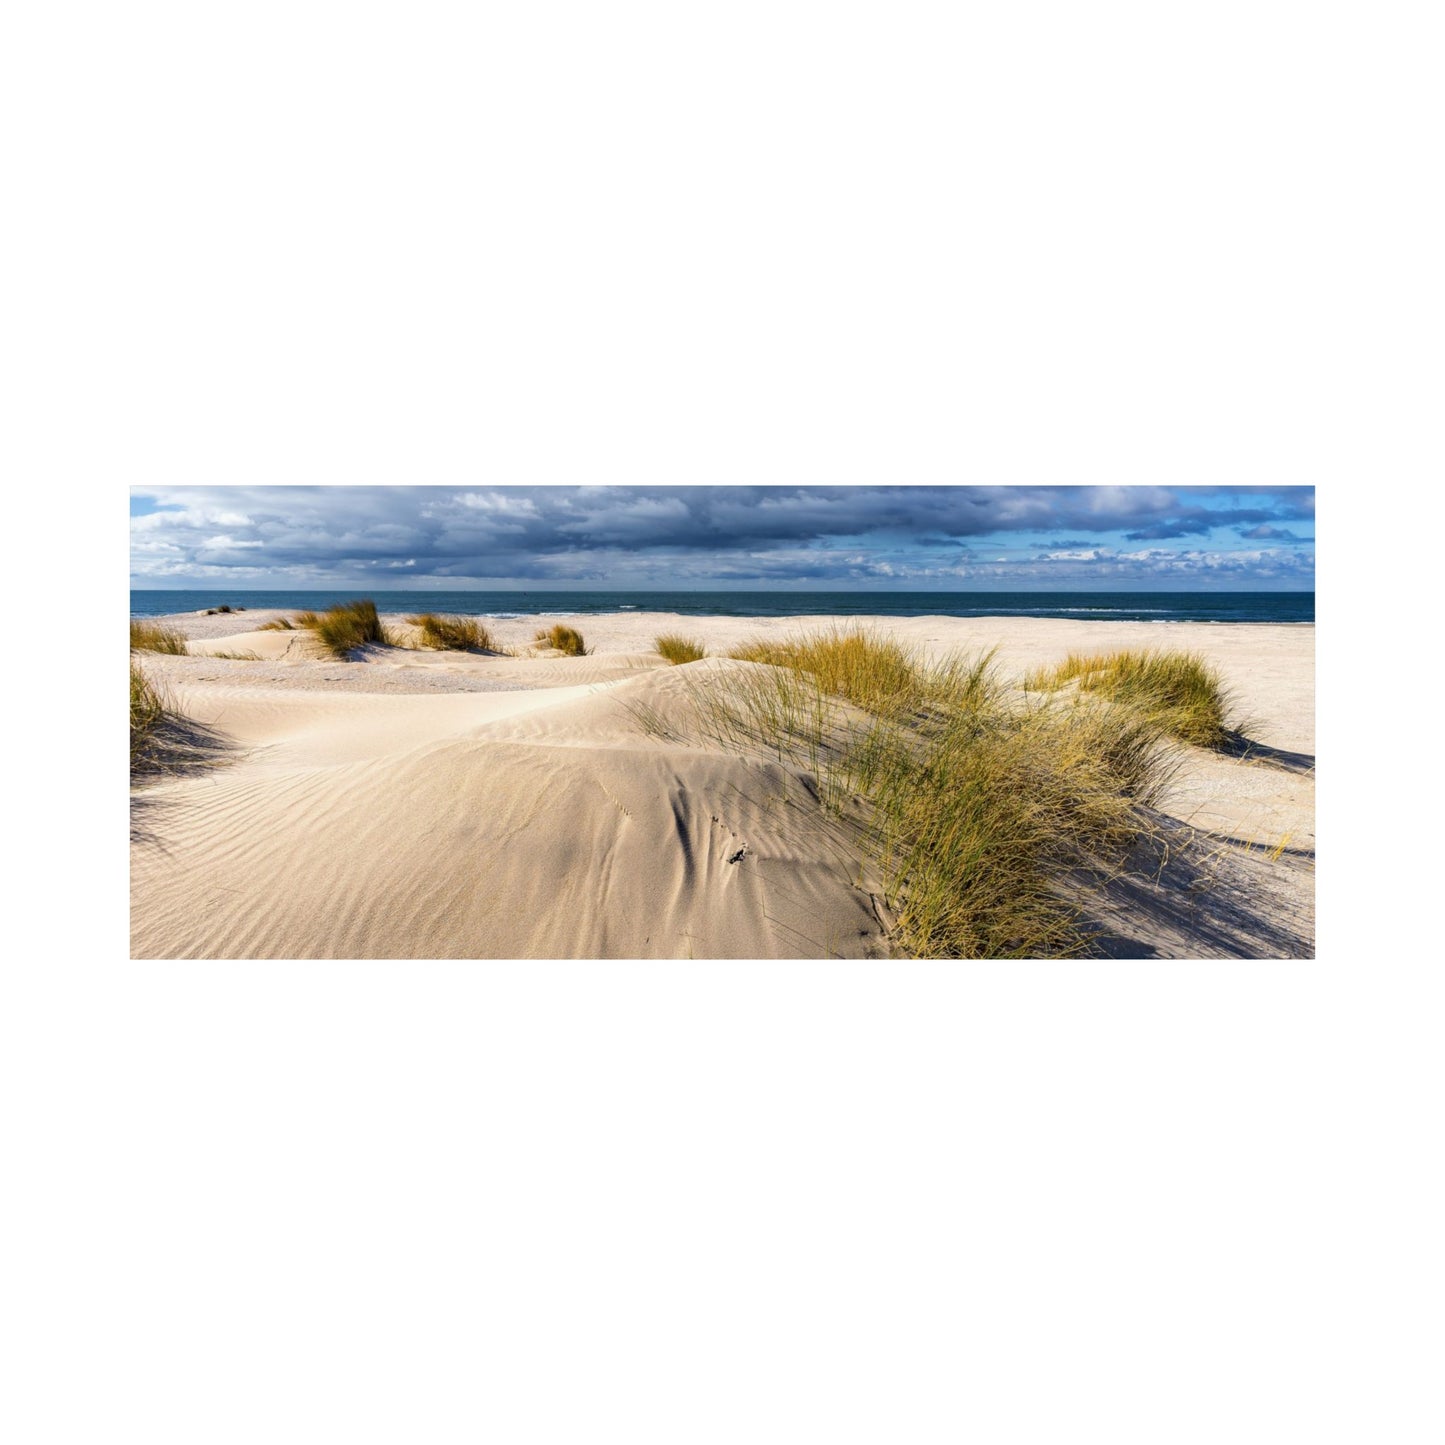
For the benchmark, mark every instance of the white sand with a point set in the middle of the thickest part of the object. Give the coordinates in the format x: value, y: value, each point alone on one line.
x: 424, y: 805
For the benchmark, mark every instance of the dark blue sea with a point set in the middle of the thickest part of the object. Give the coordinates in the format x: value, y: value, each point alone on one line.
x: 1100, y: 606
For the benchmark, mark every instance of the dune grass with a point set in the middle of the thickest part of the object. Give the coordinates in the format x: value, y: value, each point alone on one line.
x: 156, y: 637
x: 340, y: 629
x: 164, y: 742
x: 980, y: 827
x: 1178, y: 690
x: 871, y: 670
x: 147, y: 712
x: 678, y: 649
x: 453, y: 633
x: 564, y: 639
x: 985, y: 815
x: 351, y: 625
x: 854, y: 663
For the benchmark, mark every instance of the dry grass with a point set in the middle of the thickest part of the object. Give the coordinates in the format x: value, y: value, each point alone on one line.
x: 1178, y: 691
x: 985, y: 817
x: 863, y: 666
x: 873, y: 671
x: 978, y: 827
x: 349, y: 626
x: 677, y: 649
x: 340, y: 629
x: 565, y: 639
x: 453, y: 633
x: 164, y: 743
x: 147, y: 712
x: 156, y: 637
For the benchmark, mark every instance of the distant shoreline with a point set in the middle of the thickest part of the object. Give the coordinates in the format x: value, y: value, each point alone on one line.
x: 1206, y: 607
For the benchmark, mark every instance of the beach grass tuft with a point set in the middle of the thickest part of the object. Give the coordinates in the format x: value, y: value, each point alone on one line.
x: 147, y: 712
x: 1178, y: 690
x: 874, y: 671
x: 981, y: 826
x: 858, y: 664
x: 279, y: 624
x: 986, y: 815
x: 345, y: 627
x: 565, y: 639
x: 156, y: 637
x: 164, y: 742
x: 453, y: 633
x: 678, y: 649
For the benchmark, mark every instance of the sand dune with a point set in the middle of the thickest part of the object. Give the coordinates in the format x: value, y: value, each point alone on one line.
x: 437, y: 805
x: 459, y: 827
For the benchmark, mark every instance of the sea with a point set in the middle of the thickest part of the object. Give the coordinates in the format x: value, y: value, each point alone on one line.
x: 1223, y: 607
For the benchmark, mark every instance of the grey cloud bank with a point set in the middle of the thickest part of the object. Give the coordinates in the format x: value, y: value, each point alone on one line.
x: 958, y: 538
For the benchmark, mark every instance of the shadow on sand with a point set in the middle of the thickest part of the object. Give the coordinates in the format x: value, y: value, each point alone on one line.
x: 177, y: 749
x: 1249, y: 751
x: 1188, y: 895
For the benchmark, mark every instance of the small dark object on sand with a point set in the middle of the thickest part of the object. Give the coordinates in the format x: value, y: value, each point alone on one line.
x: 739, y: 855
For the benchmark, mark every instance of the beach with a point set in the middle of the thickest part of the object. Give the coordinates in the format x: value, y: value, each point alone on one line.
x: 435, y: 804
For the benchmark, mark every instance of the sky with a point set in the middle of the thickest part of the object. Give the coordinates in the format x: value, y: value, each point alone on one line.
x: 869, y: 538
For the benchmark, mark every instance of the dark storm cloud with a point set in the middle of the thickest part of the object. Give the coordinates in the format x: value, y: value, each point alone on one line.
x: 1266, y: 533
x: 676, y: 535
x: 1195, y: 521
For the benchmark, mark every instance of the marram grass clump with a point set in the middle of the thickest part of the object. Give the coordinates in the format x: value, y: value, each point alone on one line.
x: 156, y: 637
x: 977, y: 828
x: 340, y: 629
x: 678, y: 649
x: 147, y: 712
x: 873, y: 671
x: 164, y: 742
x: 988, y: 816
x: 565, y: 639
x: 1180, y: 692
x: 453, y: 633
x: 853, y: 663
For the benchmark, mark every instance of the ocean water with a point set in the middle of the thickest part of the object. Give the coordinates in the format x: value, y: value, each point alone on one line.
x: 1100, y: 606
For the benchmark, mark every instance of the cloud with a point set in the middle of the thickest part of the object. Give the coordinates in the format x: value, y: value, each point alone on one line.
x: 673, y: 536
x: 1264, y: 532
x: 1109, y: 566
x: 1195, y: 521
